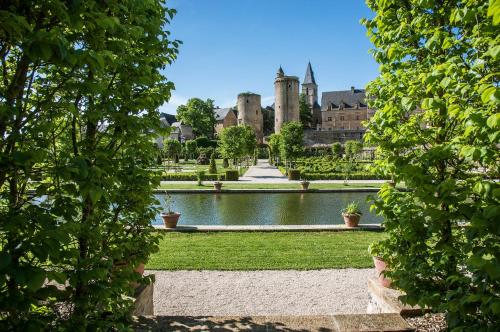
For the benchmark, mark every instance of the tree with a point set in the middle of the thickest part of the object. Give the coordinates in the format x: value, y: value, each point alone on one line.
x: 81, y: 85
x: 172, y: 149
x: 337, y: 150
x: 353, y: 149
x: 190, y: 147
x: 199, y: 115
x: 235, y: 142
x: 437, y: 127
x: 291, y: 142
x: 304, y: 111
x: 274, y: 146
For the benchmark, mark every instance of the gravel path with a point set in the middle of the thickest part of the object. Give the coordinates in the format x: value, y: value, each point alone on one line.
x: 263, y: 172
x: 240, y: 293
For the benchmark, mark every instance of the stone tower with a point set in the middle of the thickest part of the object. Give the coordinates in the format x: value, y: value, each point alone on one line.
x: 310, y: 90
x: 286, y: 99
x: 250, y: 113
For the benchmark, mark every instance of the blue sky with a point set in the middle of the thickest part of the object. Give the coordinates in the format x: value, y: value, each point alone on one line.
x: 233, y: 46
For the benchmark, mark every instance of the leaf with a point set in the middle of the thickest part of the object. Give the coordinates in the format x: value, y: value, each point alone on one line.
x: 4, y: 260
x: 487, y: 93
x: 35, y: 279
x: 494, y: 121
x: 494, y: 52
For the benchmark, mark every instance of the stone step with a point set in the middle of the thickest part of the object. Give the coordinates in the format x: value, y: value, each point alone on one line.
x: 335, y: 323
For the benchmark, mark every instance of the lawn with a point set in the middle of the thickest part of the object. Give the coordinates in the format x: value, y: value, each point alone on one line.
x: 208, y: 185
x: 264, y: 250
x: 192, y: 167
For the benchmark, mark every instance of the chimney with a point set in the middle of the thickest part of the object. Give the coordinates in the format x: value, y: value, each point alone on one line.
x: 352, y: 89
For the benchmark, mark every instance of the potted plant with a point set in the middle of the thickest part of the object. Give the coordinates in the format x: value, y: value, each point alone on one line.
x: 351, y: 214
x: 170, y: 218
x: 218, y: 185
x: 304, y: 182
x: 375, y: 250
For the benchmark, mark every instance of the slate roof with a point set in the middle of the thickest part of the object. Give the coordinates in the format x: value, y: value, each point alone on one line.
x: 309, y: 79
x: 169, y: 117
x: 348, y: 97
x: 221, y: 113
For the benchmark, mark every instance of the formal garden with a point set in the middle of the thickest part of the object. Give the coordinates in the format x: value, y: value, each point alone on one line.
x: 81, y: 85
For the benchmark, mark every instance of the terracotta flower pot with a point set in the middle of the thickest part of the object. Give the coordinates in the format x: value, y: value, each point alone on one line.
x: 218, y: 186
x: 170, y: 220
x: 305, y: 185
x: 380, y: 266
x: 351, y: 220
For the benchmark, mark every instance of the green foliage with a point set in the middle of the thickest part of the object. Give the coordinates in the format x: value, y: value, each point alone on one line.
x: 190, y: 177
x: 353, y: 149
x: 213, y: 167
x: 190, y: 149
x: 232, y: 175
x: 81, y: 85
x: 172, y: 148
x: 293, y: 174
x: 437, y: 128
x: 225, y: 163
x: 304, y: 111
x: 291, y: 141
x: 235, y: 142
x: 199, y: 115
x: 200, y: 176
x: 337, y: 150
x: 274, y: 146
x: 352, y: 208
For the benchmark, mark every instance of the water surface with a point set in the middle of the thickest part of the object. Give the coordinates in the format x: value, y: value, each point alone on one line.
x: 267, y: 208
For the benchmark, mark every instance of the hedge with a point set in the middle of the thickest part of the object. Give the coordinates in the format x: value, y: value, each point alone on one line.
x: 293, y: 174
x: 342, y: 176
x: 232, y: 175
x: 191, y: 177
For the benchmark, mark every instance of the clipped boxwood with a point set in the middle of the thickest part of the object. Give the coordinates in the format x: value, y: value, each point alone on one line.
x: 293, y: 174
x: 342, y: 176
x: 232, y: 175
x: 188, y: 177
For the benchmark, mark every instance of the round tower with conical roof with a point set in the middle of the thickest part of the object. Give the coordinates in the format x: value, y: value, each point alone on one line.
x: 286, y: 102
x: 250, y: 113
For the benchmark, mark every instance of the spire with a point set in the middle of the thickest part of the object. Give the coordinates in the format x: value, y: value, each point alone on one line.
x: 280, y: 72
x: 309, y: 79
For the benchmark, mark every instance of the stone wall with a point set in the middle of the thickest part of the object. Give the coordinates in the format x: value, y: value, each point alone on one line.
x: 286, y: 104
x: 250, y: 113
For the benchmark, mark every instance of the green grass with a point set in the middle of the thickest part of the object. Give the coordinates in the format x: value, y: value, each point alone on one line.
x: 208, y: 185
x: 193, y: 167
x: 264, y: 250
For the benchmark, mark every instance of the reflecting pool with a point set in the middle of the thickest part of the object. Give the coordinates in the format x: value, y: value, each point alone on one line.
x: 267, y: 208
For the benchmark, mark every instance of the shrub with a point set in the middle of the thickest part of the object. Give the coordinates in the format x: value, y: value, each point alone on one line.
x: 225, y: 163
x: 189, y: 177
x: 232, y: 175
x: 213, y: 166
x: 200, y: 176
x: 293, y: 174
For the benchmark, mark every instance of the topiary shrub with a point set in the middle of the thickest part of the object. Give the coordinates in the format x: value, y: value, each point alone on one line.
x: 232, y: 175
x: 293, y: 174
x: 213, y: 167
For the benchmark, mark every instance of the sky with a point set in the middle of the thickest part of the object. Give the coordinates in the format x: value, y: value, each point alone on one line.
x: 234, y: 46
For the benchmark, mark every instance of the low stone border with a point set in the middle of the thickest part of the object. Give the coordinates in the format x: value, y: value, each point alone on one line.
x: 271, y: 228
x: 260, y: 191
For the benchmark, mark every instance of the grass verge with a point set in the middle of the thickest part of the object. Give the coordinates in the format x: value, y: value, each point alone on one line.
x: 264, y: 251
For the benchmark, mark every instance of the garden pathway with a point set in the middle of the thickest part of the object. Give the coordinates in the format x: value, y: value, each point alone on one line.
x: 240, y: 293
x: 263, y: 172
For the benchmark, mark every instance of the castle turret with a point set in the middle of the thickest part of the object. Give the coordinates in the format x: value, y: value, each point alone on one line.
x: 286, y: 104
x: 310, y: 90
x: 250, y: 113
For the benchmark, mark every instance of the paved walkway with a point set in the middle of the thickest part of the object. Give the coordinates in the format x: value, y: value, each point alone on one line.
x: 263, y: 172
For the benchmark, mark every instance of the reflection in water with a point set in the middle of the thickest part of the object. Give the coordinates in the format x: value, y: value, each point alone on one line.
x: 267, y: 208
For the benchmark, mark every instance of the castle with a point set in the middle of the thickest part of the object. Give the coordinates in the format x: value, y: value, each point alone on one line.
x: 338, y: 119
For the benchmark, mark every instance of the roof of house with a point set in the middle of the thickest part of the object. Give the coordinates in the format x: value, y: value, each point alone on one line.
x: 221, y: 113
x: 348, y: 97
x: 309, y: 78
x: 169, y: 117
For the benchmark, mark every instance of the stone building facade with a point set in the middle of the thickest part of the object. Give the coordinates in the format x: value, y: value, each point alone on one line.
x: 224, y: 117
x: 286, y: 103
x: 250, y: 113
x: 310, y: 90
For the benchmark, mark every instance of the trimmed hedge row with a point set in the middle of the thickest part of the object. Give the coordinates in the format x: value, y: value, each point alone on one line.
x: 191, y: 177
x: 232, y: 175
x: 342, y: 176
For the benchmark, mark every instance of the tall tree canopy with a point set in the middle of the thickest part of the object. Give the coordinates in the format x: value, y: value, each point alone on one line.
x: 291, y: 141
x: 304, y: 111
x: 236, y: 142
x: 81, y: 82
x: 437, y: 127
x: 198, y: 114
